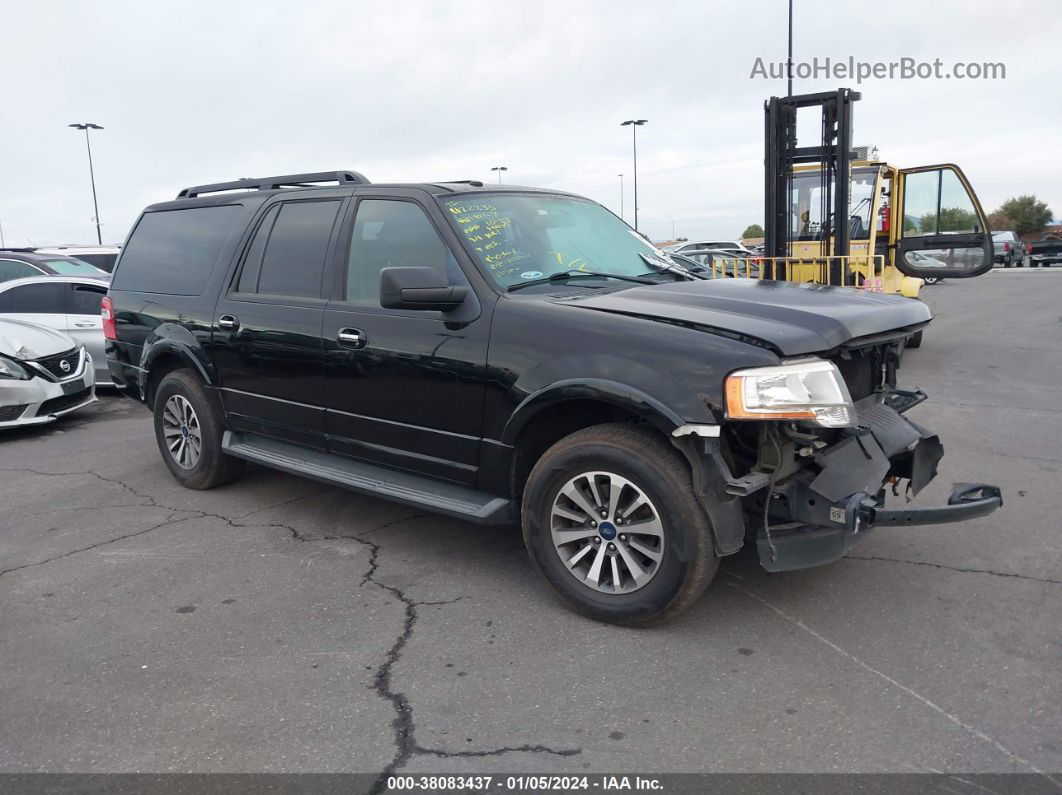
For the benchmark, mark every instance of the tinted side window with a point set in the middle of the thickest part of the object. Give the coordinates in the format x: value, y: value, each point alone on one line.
x: 86, y: 300
x: 389, y: 234
x: 35, y: 299
x: 252, y: 263
x: 102, y: 261
x: 13, y: 269
x: 294, y: 258
x: 174, y: 251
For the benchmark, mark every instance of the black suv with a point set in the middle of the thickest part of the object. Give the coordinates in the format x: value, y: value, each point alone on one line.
x: 507, y: 354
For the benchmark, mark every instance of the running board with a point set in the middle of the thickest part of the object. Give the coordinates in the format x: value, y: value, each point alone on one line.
x: 389, y: 484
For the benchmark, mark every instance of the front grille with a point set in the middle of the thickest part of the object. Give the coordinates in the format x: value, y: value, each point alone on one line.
x: 9, y: 413
x: 861, y: 373
x: 63, y: 403
x: 54, y: 364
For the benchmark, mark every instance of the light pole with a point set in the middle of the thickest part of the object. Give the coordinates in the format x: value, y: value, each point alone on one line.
x: 2, y: 243
x: 789, y: 60
x: 635, y: 124
x: 673, y: 238
x: 86, y: 126
x: 499, y: 169
x: 621, y: 196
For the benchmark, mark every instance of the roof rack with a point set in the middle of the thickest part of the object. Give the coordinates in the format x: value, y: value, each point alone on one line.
x: 23, y: 249
x: 273, y: 183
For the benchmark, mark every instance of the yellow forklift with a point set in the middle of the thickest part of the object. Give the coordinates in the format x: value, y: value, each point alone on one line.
x: 843, y: 217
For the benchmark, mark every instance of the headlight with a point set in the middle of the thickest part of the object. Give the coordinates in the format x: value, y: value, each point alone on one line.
x: 812, y: 390
x: 9, y: 368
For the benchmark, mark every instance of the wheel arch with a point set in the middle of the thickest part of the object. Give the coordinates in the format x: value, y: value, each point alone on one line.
x: 163, y: 357
x: 548, y: 415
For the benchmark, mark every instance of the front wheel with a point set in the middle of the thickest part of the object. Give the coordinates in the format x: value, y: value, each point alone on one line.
x: 611, y: 521
x: 188, y: 430
x: 915, y: 340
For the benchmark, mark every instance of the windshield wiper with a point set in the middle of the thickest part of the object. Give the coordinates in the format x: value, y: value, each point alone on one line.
x: 563, y: 276
x: 668, y: 266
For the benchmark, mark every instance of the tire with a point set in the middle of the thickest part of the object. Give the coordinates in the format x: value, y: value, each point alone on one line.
x: 185, y: 411
x: 639, y: 462
x: 915, y: 340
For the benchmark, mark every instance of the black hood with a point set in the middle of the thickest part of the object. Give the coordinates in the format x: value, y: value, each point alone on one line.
x: 793, y: 318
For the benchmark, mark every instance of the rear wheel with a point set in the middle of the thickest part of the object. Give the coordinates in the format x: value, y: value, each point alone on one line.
x: 610, y: 520
x: 188, y: 430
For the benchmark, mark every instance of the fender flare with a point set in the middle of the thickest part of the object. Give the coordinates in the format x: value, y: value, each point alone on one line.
x: 190, y: 354
x: 604, y: 390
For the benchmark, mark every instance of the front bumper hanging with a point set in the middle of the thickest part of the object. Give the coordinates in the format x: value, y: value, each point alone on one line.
x: 815, y: 516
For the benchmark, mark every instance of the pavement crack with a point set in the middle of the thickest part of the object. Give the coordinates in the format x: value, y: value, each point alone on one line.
x: 962, y: 569
x: 151, y: 501
x: 517, y: 749
x: 170, y: 520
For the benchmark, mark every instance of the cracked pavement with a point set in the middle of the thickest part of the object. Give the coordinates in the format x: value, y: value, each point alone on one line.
x: 279, y: 625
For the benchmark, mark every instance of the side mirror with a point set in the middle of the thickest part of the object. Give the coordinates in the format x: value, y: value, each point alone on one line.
x: 418, y: 288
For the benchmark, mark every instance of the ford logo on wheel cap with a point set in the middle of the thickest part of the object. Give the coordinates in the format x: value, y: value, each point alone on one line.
x: 64, y: 365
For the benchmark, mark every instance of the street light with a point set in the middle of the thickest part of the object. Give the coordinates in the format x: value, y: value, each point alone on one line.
x: 673, y: 238
x: 499, y: 169
x: 635, y: 124
x: 86, y: 126
x: 621, y: 196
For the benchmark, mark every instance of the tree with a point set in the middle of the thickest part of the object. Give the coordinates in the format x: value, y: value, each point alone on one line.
x: 999, y: 221
x: 752, y: 230
x: 1027, y: 215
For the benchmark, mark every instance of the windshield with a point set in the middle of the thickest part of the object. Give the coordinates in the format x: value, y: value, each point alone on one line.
x: 807, y: 204
x: 72, y: 267
x: 520, y: 237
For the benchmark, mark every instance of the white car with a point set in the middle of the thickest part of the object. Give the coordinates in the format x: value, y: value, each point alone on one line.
x: 731, y: 245
x: 44, y: 374
x: 70, y: 304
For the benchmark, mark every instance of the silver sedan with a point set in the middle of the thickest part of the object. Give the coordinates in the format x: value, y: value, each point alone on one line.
x: 44, y: 374
x: 70, y: 304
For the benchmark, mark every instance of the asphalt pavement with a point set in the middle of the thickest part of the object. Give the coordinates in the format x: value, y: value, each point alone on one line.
x: 276, y: 625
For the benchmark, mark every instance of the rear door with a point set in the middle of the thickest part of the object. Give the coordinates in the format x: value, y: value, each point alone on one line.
x: 266, y: 336
x: 85, y: 323
x: 943, y: 231
x: 43, y: 303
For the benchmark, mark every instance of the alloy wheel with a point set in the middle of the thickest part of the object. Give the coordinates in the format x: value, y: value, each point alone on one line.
x: 180, y: 429
x: 607, y: 532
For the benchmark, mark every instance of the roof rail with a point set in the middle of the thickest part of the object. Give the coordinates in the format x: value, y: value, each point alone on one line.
x: 273, y: 183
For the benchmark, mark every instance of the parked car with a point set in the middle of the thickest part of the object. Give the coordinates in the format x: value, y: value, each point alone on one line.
x: 506, y: 354
x: 44, y: 374
x: 727, y: 263
x: 734, y: 245
x: 70, y: 304
x: 1009, y: 250
x: 103, y: 257
x: 1045, y: 251
x: 16, y: 263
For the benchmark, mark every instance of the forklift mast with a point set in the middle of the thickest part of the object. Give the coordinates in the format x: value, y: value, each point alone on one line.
x: 833, y: 152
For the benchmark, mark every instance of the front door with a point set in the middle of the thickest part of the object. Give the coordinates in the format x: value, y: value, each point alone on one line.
x: 942, y: 228
x: 266, y: 337
x: 404, y: 387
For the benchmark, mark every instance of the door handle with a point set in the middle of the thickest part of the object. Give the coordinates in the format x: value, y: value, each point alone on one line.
x: 228, y: 322
x: 84, y: 324
x: 351, y: 338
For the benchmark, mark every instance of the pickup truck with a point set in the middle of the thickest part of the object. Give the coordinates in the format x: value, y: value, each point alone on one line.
x: 1045, y: 251
x: 515, y: 355
x: 1007, y: 249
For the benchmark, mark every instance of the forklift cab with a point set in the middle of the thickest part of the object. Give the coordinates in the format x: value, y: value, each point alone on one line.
x: 942, y: 234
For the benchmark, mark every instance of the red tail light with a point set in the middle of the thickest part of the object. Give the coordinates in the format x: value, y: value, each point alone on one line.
x: 1006, y: 247
x: 110, y: 331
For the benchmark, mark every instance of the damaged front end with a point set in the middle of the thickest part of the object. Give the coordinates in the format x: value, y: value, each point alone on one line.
x: 805, y: 493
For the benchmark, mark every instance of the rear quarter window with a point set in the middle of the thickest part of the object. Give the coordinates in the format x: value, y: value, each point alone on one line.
x: 174, y: 252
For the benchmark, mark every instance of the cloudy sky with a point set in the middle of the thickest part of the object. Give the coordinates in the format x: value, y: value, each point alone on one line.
x: 195, y: 92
